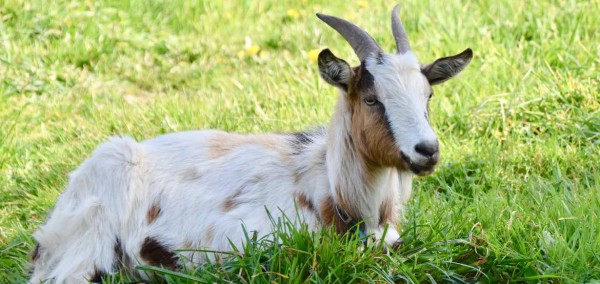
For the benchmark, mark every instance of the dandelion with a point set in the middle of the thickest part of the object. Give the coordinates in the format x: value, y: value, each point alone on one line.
x: 263, y: 54
x: 293, y: 13
x: 350, y: 16
x: 313, y: 55
x: 363, y: 4
x: 250, y: 49
x: 253, y: 50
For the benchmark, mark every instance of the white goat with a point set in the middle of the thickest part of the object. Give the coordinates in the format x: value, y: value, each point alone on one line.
x: 135, y: 202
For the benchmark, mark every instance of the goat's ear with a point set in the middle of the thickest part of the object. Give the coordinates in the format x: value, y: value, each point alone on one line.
x: 333, y: 70
x: 446, y: 67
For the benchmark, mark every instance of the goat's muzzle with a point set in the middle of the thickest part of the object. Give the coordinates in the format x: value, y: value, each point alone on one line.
x: 423, y: 166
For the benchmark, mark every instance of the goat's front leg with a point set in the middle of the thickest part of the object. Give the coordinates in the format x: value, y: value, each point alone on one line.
x: 388, y: 236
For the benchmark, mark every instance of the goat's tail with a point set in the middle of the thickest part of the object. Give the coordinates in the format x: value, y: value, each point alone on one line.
x: 80, y: 240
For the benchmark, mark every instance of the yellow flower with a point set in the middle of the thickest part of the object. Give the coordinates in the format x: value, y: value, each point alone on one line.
x: 313, y: 55
x: 363, y: 4
x: 293, y: 13
x: 241, y: 54
x: 350, y: 16
x: 253, y: 50
x: 263, y: 54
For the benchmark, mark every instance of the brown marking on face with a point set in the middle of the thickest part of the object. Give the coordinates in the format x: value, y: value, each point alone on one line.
x: 153, y: 212
x: 222, y: 144
x: 370, y: 130
x: 157, y: 254
x: 35, y: 253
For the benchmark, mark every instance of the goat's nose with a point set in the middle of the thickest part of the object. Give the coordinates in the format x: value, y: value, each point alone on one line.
x: 427, y: 148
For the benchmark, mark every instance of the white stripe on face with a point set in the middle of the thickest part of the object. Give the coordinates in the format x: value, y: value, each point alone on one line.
x: 404, y: 92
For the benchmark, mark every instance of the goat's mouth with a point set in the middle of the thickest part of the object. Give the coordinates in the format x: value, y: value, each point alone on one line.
x: 421, y: 169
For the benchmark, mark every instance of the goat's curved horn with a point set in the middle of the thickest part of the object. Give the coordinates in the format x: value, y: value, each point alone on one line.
x: 362, y: 43
x: 402, y: 44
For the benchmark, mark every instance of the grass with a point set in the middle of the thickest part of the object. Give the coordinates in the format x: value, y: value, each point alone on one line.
x: 515, y: 199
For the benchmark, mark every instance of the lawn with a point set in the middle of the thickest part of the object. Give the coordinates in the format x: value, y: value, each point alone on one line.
x: 516, y: 196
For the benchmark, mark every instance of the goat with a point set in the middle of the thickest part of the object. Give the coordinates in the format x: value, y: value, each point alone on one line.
x: 135, y: 202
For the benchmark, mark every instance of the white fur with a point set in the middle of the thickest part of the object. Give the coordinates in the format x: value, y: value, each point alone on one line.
x: 109, y: 195
x: 404, y: 92
x: 193, y: 176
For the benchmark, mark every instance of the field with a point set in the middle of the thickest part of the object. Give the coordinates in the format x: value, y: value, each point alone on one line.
x: 516, y: 197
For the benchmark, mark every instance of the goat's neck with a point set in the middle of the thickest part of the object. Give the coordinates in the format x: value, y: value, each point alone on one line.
x: 359, y: 188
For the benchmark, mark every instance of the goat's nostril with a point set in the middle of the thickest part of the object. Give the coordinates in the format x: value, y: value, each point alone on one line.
x: 427, y: 149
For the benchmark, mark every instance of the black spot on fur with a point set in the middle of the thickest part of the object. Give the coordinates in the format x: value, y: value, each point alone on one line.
x: 379, y: 58
x: 300, y: 140
x: 97, y: 276
x: 388, y: 125
x: 120, y: 258
x: 366, y: 79
x: 155, y: 253
x: 35, y: 253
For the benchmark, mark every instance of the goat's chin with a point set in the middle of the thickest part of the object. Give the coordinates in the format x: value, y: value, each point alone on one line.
x: 420, y: 169
x: 425, y: 171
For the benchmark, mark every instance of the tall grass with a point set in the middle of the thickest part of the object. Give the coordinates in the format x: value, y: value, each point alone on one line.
x: 517, y: 194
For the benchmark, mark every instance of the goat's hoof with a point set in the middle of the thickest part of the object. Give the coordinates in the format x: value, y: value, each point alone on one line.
x: 388, y: 248
x: 397, y: 244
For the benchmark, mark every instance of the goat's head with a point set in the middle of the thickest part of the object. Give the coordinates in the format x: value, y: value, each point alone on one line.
x: 387, y: 96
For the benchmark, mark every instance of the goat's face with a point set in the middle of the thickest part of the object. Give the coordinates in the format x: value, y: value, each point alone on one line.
x: 387, y: 99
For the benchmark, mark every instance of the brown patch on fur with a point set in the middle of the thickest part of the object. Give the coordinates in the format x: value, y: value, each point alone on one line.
x: 234, y: 200
x: 231, y: 202
x: 228, y: 205
x: 209, y: 235
x: 35, y: 253
x: 221, y: 144
x: 371, y: 134
x: 187, y: 244
x: 305, y: 202
x: 329, y: 216
x: 155, y: 253
x: 297, y: 176
x: 153, y: 212
x: 345, y: 204
x: 190, y: 174
x: 386, y: 214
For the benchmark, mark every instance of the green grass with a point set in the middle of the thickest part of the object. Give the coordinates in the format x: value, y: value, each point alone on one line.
x: 517, y: 194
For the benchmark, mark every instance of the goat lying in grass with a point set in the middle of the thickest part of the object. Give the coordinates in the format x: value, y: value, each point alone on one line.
x: 135, y: 202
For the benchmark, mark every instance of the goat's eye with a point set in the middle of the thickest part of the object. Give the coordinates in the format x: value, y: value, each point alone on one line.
x: 370, y: 101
